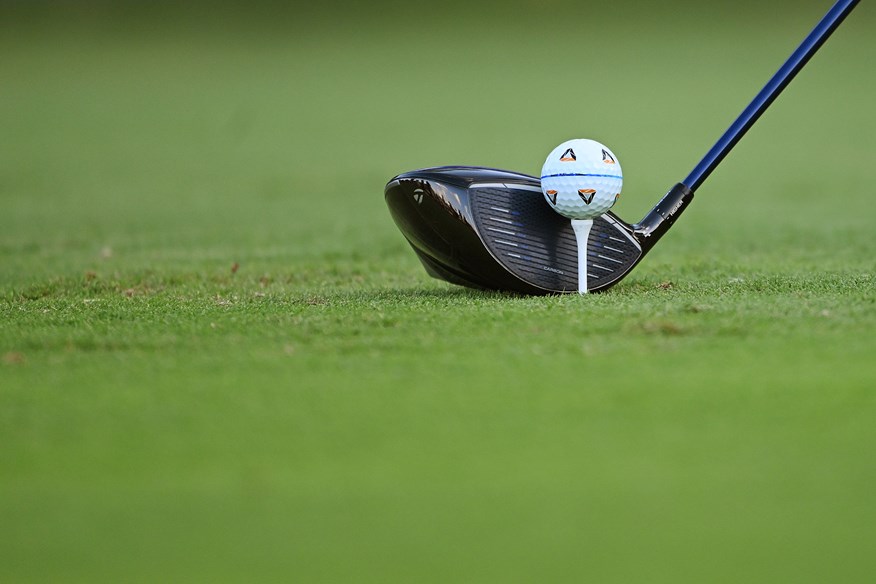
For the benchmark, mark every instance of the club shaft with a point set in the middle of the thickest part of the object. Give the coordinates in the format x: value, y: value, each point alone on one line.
x: 770, y: 92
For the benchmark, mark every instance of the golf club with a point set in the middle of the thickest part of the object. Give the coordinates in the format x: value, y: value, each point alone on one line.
x: 491, y: 229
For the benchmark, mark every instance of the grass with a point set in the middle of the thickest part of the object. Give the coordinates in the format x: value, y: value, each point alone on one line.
x: 220, y: 361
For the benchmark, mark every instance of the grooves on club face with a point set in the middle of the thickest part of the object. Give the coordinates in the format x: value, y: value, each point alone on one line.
x: 492, y: 229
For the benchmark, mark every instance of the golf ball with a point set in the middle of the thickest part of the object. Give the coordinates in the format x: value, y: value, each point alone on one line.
x: 581, y: 179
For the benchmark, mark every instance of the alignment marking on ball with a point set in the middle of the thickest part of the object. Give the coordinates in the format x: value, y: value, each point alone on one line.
x: 583, y: 174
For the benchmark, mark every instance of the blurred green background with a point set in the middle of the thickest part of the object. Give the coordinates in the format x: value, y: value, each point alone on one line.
x: 221, y: 361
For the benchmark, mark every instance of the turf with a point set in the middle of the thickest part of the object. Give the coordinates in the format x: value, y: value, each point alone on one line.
x: 221, y: 361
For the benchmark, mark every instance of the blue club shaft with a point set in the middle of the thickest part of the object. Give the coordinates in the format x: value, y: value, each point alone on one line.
x: 770, y: 92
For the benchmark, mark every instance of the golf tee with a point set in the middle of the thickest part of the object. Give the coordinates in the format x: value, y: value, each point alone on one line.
x: 582, y: 235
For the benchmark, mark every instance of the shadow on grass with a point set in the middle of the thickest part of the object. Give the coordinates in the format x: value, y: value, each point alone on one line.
x: 455, y: 295
x: 450, y: 295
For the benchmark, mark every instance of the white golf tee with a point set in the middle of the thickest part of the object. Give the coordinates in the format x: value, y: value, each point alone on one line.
x: 582, y: 234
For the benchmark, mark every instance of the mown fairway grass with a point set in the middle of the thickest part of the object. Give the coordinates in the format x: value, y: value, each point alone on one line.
x: 221, y: 362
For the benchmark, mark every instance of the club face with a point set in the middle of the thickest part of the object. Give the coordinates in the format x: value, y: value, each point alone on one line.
x: 492, y: 229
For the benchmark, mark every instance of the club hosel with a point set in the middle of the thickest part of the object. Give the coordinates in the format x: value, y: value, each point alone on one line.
x: 656, y: 223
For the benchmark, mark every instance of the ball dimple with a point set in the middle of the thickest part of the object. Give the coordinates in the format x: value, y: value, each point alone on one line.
x: 581, y: 179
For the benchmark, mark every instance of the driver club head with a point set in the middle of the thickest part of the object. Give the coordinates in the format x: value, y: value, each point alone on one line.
x: 492, y: 229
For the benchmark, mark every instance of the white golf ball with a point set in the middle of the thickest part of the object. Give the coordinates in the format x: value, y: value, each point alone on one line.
x: 581, y: 179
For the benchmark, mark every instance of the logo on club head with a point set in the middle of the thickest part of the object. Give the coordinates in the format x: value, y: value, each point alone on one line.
x: 586, y: 195
x: 552, y: 195
x: 418, y: 196
x: 607, y: 157
x: 568, y: 156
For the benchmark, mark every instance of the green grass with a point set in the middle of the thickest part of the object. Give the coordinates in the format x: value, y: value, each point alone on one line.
x: 219, y: 360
